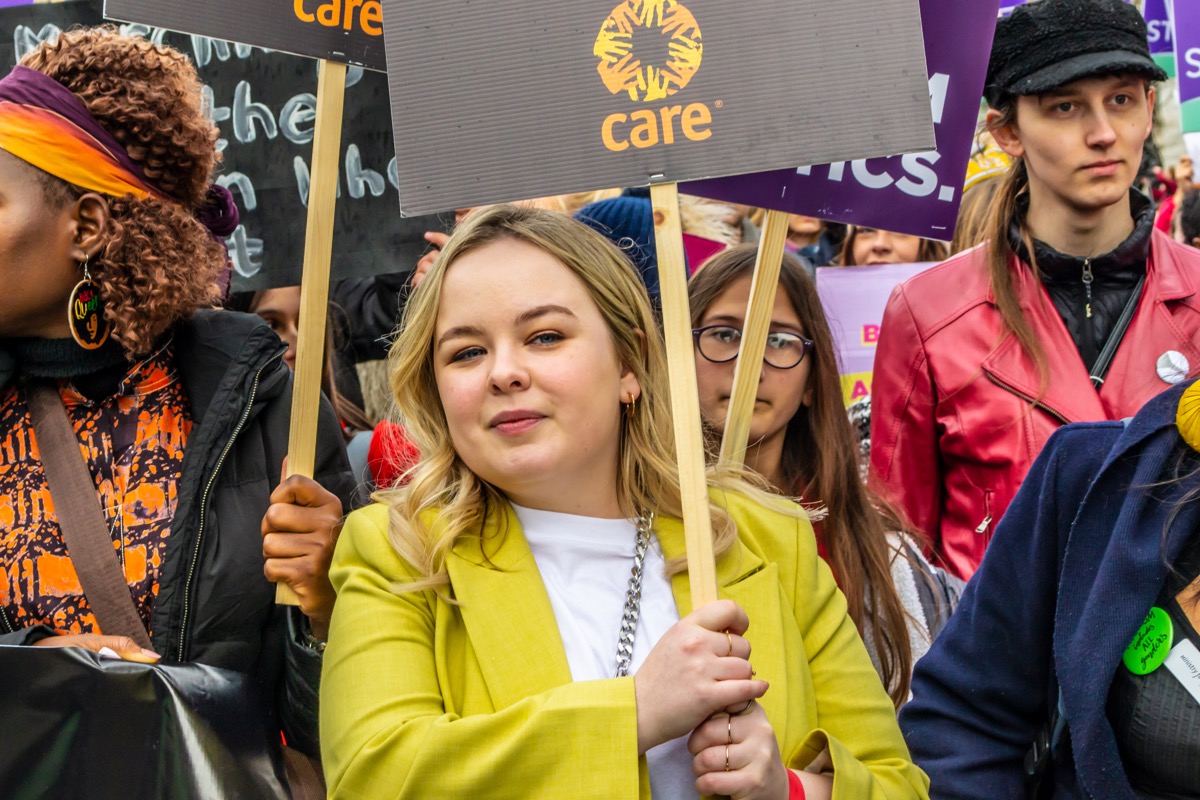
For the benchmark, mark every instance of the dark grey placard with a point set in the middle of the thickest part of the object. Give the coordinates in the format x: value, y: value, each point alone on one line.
x: 495, y: 101
x: 272, y: 24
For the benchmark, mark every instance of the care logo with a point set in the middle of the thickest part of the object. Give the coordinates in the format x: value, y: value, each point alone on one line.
x: 634, y: 33
x: 623, y: 69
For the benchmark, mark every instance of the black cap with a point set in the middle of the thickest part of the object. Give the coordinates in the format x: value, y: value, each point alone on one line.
x: 1050, y: 43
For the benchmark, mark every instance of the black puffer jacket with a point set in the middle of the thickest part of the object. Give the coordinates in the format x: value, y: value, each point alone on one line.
x: 214, y: 605
x: 1113, y: 277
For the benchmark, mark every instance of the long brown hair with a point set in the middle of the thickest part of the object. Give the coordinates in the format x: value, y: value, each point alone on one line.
x: 820, y: 460
x: 971, y: 227
x: 1000, y: 254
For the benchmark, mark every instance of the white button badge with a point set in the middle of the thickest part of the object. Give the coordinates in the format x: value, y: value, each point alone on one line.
x: 1173, y: 367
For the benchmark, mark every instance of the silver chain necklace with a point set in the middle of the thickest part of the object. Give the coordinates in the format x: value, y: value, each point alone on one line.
x: 633, y: 596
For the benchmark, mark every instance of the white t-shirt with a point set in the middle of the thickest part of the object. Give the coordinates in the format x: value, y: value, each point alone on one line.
x: 585, y: 564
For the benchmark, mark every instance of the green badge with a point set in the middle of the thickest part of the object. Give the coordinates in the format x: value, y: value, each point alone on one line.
x: 1150, y: 644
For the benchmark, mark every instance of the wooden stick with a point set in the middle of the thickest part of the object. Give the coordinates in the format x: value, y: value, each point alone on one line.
x: 685, y: 403
x: 754, y: 339
x: 314, y: 285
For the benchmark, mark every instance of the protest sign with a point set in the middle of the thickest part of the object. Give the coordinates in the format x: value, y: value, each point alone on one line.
x: 263, y: 104
x: 349, y: 31
x: 918, y: 193
x: 1186, y: 17
x: 854, y: 299
x: 1007, y: 6
x: 492, y: 102
x: 1160, y: 34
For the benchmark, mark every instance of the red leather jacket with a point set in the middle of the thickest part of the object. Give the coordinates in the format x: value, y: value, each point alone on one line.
x: 957, y: 412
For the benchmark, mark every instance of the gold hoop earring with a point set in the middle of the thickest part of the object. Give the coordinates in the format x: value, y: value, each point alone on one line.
x: 631, y: 407
x: 85, y: 313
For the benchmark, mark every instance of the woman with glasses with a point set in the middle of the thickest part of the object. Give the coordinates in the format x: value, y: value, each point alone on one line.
x: 802, y: 442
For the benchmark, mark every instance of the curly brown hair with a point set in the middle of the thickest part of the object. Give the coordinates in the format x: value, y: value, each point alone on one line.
x: 160, y: 264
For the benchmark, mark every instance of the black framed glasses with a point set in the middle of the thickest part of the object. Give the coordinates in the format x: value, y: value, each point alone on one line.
x: 719, y: 344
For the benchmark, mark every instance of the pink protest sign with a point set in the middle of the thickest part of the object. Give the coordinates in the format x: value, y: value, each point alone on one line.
x: 854, y: 299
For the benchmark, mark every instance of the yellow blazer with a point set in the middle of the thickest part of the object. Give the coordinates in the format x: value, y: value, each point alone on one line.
x: 422, y: 698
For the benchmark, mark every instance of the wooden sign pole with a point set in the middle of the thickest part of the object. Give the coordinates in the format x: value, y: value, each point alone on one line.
x: 685, y: 404
x: 314, y: 285
x: 754, y: 338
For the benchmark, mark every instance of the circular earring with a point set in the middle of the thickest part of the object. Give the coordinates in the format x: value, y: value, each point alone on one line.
x: 85, y: 313
x: 631, y: 407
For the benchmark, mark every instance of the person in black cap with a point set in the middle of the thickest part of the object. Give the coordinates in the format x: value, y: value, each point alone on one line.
x: 1052, y: 679
x: 1070, y: 309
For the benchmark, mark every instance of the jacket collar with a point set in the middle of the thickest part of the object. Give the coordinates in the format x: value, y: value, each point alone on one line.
x: 1123, y: 264
x: 1070, y: 394
x: 219, y: 353
x: 1172, y: 275
x: 1112, y: 571
x: 507, y: 611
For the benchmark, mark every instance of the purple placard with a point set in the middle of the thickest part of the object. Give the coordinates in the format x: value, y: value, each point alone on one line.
x: 854, y: 299
x: 917, y: 193
x: 1158, y: 27
x: 1186, y: 16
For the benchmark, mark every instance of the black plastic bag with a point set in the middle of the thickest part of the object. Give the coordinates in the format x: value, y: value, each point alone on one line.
x: 76, y: 725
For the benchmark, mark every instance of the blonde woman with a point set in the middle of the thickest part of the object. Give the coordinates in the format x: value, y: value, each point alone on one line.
x: 515, y: 621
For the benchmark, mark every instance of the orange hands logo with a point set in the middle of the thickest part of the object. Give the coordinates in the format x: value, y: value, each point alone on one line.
x: 620, y: 67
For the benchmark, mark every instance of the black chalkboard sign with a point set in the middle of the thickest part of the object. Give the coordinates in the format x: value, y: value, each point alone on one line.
x: 264, y: 104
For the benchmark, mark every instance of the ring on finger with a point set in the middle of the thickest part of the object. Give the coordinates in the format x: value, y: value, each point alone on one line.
x: 745, y: 708
x: 729, y: 636
x: 728, y: 731
x: 727, y: 758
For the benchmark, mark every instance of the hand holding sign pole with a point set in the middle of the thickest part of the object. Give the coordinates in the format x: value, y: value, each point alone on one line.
x: 314, y: 287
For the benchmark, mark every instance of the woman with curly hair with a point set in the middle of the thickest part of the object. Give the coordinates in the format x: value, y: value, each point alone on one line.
x: 523, y: 600
x: 111, y: 257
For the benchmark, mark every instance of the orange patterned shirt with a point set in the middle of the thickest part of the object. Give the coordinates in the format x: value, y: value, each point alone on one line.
x: 133, y: 441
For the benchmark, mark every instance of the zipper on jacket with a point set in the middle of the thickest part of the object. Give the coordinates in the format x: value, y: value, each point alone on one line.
x: 7, y: 625
x: 187, y: 586
x: 985, y: 527
x: 987, y: 509
x: 1087, y: 288
x: 1087, y: 325
x: 1026, y: 398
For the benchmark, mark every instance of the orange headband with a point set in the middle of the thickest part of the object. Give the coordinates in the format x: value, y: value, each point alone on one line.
x: 56, y: 145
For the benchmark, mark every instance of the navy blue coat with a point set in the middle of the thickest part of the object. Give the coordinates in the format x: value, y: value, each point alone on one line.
x: 1075, y: 564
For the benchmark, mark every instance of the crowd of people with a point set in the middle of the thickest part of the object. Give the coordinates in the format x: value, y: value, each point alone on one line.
x: 984, y: 581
